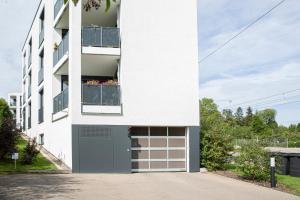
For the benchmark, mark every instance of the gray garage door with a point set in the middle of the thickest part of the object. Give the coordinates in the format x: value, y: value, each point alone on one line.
x: 158, y: 149
x: 101, y: 149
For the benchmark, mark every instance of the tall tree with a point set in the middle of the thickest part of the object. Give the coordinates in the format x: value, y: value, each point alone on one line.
x: 298, y: 127
x: 7, y: 130
x: 249, y: 116
x: 239, y: 116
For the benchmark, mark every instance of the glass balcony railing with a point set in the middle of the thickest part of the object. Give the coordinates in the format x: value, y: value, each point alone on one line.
x: 61, y: 101
x: 29, y: 122
x: 41, y: 37
x: 41, y: 115
x: 58, y: 5
x: 41, y: 75
x: 29, y: 91
x: 106, y: 95
x: 61, y: 50
x: 101, y: 37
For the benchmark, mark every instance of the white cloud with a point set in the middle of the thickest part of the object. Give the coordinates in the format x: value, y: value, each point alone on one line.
x: 230, y: 92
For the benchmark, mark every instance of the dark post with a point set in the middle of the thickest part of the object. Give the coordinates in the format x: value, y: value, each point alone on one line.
x: 273, y: 179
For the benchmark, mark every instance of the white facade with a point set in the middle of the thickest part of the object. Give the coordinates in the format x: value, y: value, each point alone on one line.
x: 151, y: 76
x: 15, y: 104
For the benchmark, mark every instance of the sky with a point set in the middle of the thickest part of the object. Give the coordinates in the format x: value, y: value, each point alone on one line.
x: 264, y: 61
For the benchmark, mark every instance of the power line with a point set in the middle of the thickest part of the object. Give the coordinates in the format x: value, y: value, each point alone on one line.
x: 267, y: 97
x: 279, y: 104
x: 242, y: 31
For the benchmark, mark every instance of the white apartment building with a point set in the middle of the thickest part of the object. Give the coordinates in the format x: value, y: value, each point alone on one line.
x: 114, y: 91
x: 15, y: 104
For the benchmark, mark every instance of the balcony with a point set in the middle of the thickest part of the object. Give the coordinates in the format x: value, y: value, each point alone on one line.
x: 41, y: 37
x: 57, y: 7
x: 41, y: 75
x: 29, y: 122
x: 13, y: 103
x: 61, y: 50
x: 101, y: 99
x: 23, y: 98
x: 41, y: 115
x: 108, y: 37
x: 29, y: 60
x: 24, y: 71
x: 29, y: 91
x: 61, y: 102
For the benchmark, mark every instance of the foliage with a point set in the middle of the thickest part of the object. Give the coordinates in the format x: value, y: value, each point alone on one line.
x: 8, y: 132
x: 239, y: 116
x: 94, y: 4
x: 215, y: 141
x: 40, y: 163
x: 253, y: 162
x: 30, y: 152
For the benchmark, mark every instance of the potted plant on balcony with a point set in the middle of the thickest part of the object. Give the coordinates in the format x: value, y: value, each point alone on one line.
x: 111, y: 82
x: 55, y: 46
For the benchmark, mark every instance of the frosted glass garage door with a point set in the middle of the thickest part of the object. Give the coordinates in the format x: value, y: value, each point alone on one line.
x: 158, y: 149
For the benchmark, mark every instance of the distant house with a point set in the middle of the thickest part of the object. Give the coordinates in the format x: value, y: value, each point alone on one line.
x: 15, y: 103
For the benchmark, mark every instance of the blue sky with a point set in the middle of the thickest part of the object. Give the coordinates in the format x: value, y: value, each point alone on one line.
x: 263, y: 61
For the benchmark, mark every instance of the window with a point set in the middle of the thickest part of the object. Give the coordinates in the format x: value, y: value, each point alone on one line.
x: 30, y: 52
x: 41, y: 139
x: 41, y: 106
x: 42, y: 19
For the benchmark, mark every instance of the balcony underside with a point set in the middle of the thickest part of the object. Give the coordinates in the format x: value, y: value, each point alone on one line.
x: 99, y: 65
x: 62, y: 19
x: 92, y: 65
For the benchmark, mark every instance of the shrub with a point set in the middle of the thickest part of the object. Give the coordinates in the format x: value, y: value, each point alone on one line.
x: 30, y: 152
x: 253, y: 163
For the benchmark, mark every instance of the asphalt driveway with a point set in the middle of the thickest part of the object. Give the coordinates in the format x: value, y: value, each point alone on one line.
x: 143, y: 186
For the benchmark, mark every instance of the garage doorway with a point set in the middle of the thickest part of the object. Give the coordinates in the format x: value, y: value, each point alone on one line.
x: 158, y: 149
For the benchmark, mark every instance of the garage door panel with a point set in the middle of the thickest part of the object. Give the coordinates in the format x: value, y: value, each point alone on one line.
x: 158, y: 131
x: 158, y: 154
x: 158, y: 142
x: 176, y: 164
x: 176, y: 131
x: 140, y: 165
x: 158, y: 165
x: 140, y: 154
x: 177, y: 154
x: 176, y: 142
x: 140, y: 142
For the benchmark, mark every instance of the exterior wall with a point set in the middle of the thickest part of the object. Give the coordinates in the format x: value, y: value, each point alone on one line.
x: 57, y: 134
x: 194, y: 149
x: 158, y: 75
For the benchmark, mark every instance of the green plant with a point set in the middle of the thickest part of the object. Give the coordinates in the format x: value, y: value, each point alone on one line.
x: 8, y: 132
x: 215, y: 143
x: 253, y: 162
x: 30, y: 152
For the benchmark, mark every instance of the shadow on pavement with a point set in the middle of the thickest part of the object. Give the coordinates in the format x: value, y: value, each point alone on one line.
x: 31, y: 186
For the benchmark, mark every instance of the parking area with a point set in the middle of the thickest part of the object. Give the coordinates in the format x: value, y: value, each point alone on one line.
x: 140, y: 186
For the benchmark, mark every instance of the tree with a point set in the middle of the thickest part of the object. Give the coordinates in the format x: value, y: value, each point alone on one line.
x: 249, y: 116
x: 298, y: 128
x: 239, y: 116
x: 8, y: 131
x: 215, y: 141
x: 94, y: 4
x: 268, y: 117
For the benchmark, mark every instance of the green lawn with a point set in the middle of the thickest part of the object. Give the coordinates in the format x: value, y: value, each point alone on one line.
x: 292, y: 183
x: 7, y: 165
